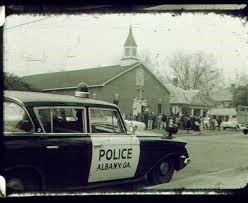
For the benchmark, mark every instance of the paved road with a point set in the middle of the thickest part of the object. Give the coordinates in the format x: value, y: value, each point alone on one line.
x: 218, y: 161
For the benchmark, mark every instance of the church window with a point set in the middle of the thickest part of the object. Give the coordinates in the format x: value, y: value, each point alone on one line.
x: 127, y: 51
x: 133, y: 52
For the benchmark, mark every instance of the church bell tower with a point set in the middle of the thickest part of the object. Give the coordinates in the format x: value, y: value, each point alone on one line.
x: 130, y: 50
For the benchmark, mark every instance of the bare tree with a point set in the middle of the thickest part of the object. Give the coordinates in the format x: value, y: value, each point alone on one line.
x: 244, y: 79
x: 196, y: 71
x: 150, y: 60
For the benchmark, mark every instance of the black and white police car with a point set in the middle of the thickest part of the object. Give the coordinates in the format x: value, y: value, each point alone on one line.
x: 59, y: 142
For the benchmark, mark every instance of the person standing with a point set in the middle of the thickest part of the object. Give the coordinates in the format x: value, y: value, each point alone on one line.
x: 193, y: 123
x: 211, y: 123
x: 177, y: 119
x: 142, y: 117
x: 197, y: 124
x: 138, y: 117
x: 164, y: 119
x: 214, y: 123
x: 154, y: 120
x: 146, y: 114
x: 150, y: 121
x: 171, y: 127
x: 159, y: 121
x: 219, y: 121
x: 187, y: 123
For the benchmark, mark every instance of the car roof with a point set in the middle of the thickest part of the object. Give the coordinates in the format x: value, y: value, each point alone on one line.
x: 43, y: 99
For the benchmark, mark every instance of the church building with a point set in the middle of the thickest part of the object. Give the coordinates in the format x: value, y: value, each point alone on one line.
x: 130, y: 84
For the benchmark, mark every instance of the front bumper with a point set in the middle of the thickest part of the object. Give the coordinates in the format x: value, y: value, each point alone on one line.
x: 182, y: 162
x: 186, y: 160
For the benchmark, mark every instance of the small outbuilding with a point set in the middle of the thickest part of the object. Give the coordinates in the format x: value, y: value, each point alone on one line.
x: 223, y: 113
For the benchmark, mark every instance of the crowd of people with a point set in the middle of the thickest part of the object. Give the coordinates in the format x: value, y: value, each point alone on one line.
x: 183, y: 122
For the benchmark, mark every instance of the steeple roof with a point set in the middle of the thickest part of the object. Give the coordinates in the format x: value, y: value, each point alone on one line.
x: 130, y: 39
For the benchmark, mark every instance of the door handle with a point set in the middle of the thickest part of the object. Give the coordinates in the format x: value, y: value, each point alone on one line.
x: 52, y: 147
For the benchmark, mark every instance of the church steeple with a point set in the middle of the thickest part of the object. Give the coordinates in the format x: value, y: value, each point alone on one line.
x: 130, y: 50
x: 130, y: 42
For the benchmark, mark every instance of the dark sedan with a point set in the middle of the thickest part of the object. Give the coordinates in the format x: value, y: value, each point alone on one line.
x: 58, y: 142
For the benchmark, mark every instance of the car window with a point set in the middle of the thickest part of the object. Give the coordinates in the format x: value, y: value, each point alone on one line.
x: 16, y: 118
x: 44, y: 116
x: 105, y: 121
x: 68, y: 120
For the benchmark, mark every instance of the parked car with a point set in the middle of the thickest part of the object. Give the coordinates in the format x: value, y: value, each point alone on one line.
x: 58, y: 142
x: 244, y: 128
x: 231, y: 124
x: 135, y: 125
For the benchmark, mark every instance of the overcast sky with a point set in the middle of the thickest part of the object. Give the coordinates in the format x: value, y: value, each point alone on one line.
x: 36, y: 44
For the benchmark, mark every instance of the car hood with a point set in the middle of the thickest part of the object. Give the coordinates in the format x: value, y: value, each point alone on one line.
x: 147, y: 133
x: 157, y: 135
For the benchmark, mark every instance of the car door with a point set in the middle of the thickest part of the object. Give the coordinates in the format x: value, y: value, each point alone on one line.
x: 115, y: 154
x: 22, y: 147
x: 67, y: 145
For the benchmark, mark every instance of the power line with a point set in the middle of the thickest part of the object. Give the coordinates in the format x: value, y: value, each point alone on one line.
x: 26, y: 23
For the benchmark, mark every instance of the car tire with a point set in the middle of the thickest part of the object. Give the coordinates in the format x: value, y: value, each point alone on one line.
x: 245, y: 132
x: 23, y: 183
x: 162, y: 172
x: 224, y: 128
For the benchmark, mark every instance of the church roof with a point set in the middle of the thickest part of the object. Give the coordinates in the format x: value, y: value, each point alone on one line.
x: 222, y: 111
x: 130, y: 39
x: 98, y: 77
x: 93, y: 77
x: 186, y: 97
x: 66, y: 79
x: 223, y: 95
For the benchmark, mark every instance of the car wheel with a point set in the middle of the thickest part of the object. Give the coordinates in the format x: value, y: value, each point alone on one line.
x: 224, y: 128
x: 21, y: 183
x: 245, y: 132
x: 162, y: 173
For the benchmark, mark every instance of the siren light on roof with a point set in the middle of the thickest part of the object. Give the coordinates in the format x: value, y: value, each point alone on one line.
x: 82, y: 91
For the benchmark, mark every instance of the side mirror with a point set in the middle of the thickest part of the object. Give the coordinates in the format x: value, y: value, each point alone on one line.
x: 2, y: 187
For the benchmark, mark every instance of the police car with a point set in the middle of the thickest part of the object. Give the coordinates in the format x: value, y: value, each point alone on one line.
x: 60, y: 142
